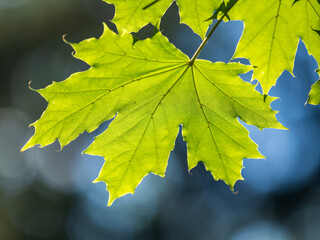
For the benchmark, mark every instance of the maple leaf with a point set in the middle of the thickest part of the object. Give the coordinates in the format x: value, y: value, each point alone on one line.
x: 152, y: 88
x: 133, y: 15
x: 314, y: 95
x: 271, y: 34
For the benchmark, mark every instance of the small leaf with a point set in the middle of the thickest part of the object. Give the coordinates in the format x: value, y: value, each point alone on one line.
x: 314, y: 95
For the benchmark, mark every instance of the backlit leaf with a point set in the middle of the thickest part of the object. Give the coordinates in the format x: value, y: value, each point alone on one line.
x: 133, y: 15
x: 150, y: 88
x: 314, y: 95
x: 271, y: 34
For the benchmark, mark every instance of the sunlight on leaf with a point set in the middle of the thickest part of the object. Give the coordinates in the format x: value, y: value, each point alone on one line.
x: 133, y: 15
x: 150, y: 88
x: 272, y: 32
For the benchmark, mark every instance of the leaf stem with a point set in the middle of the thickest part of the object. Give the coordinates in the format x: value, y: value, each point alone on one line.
x: 205, y: 40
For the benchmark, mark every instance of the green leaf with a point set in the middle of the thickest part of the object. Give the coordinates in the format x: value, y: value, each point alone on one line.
x: 150, y: 88
x: 130, y: 16
x: 314, y: 95
x: 196, y: 18
x: 272, y: 32
x: 133, y: 15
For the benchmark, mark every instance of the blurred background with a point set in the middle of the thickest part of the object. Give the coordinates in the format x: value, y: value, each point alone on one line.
x: 45, y: 194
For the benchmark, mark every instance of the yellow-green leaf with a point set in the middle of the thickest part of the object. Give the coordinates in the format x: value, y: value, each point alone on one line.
x: 133, y: 15
x: 271, y: 34
x: 150, y: 88
x: 314, y: 95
